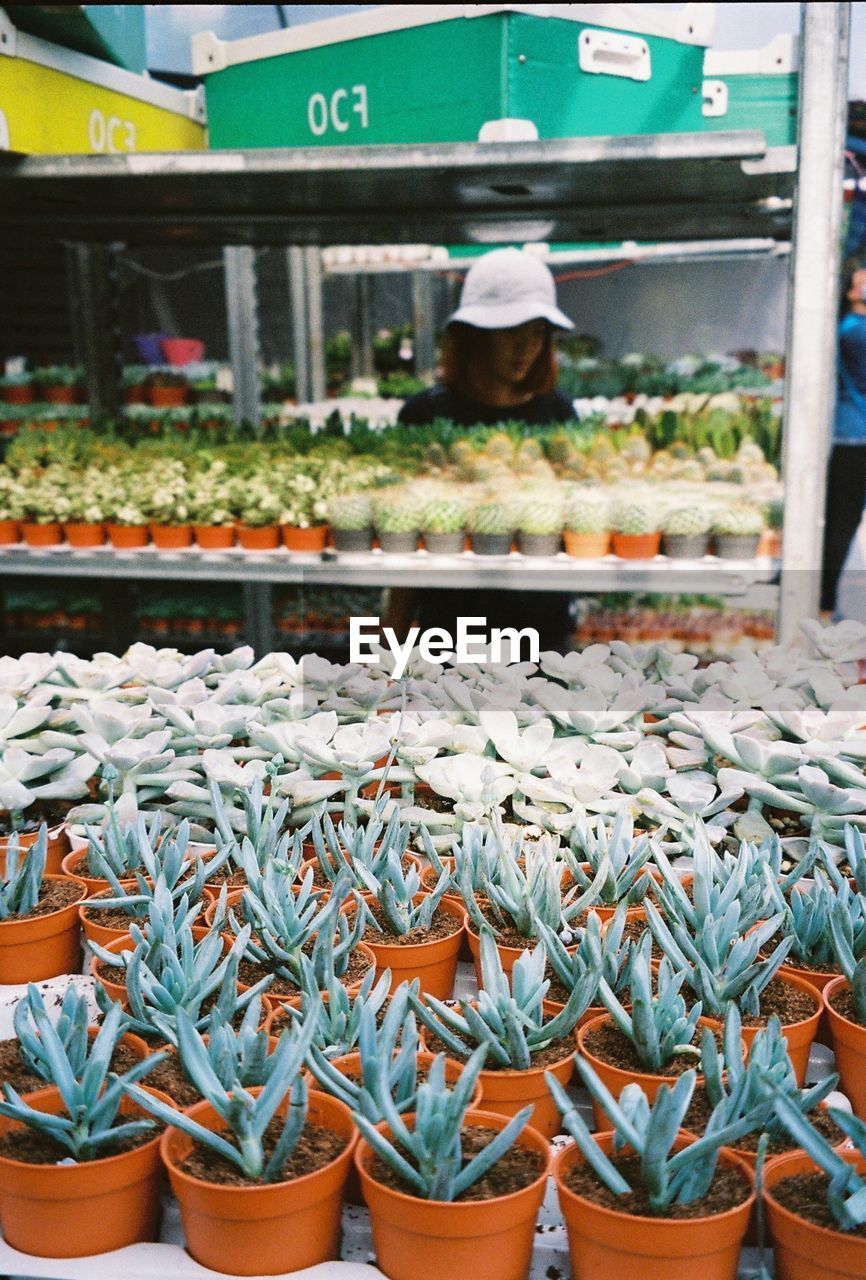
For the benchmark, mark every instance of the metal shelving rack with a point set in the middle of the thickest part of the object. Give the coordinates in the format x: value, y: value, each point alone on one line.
x: 670, y: 187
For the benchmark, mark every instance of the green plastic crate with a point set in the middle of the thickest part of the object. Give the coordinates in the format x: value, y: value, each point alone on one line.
x: 113, y: 32
x: 457, y: 73
x: 754, y: 89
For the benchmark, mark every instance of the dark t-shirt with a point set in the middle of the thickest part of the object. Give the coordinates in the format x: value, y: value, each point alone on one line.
x: 440, y: 402
x: 441, y: 608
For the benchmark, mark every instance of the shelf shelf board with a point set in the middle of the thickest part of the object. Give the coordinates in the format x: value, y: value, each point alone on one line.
x: 677, y: 186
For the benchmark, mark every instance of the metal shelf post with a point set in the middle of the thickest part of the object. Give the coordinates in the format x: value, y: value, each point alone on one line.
x: 243, y: 327
x: 810, y: 384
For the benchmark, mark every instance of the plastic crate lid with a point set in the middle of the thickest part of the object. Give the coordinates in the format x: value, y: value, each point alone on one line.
x: 693, y: 24
x: 780, y: 57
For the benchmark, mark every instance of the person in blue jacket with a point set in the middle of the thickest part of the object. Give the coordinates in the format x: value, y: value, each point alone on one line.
x: 846, y: 478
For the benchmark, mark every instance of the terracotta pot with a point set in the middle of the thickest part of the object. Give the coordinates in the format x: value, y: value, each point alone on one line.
x: 312, y: 539
x: 275, y: 1001
x: 99, y: 933
x: 9, y: 532
x: 72, y: 1211
x: 74, y: 865
x: 849, y: 1046
x: 58, y: 847
x: 256, y: 539
x: 804, y: 1251
x: 41, y: 535
x: 262, y: 1230
x: 436, y: 1240
x: 214, y: 537
x: 636, y: 546
x: 507, y: 1092
x: 167, y: 397
x: 42, y: 947
x: 124, y: 536
x: 586, y: 546
x: 169, y: 537
x: 19, y: 393
x: 59, y: 394
x: 615, y: 1078
x: 82, y: 533
x: 798, y: 1035
x: 770, y: 543
x: 114, y: 990
x: 508, y: 955
x: 435, y: 963
x: 819, y: 980
x: 605, y: 1244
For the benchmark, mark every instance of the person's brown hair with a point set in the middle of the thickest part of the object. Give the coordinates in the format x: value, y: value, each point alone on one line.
x: 466, y: 347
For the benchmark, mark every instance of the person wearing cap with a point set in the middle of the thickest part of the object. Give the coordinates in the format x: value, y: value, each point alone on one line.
x: 498, y: 360
x: 498, y: 364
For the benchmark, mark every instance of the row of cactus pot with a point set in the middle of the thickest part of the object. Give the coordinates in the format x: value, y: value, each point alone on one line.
x: 582, y: 546
x: 166, y: 537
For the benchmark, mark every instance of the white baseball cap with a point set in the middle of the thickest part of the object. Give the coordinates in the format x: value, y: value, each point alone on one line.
x: 508, y: 287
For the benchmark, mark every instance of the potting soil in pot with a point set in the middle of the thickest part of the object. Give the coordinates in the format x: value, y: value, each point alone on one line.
x: 788, y: 1003
x: 700, y: 1109
x: 442, y: 926
x: 53, y: 896
x: 31, y: 1147
x: 842, y: 1000
x: 14, y: 1071
x: 805, y: 1194
x: 317, y: 1146
x: 517, y: 1169
x: 609, y: 1044
x: 730, y: 1188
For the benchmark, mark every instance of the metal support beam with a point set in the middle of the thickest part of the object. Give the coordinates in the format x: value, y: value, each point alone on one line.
x: 258, y: 616
x: 362, y: 326
x: 243, y: 330
x: 810, y: 383
x: 96, y: 324
x: 423, y: 323
x: 315, y: 323
x: 298, y: 308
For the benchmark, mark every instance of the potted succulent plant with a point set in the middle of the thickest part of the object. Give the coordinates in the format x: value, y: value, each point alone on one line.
x: 258, y: 1172
x: 58, y: 383
x: 209, y: 499
x: 687, y: 531
x: 258, y: 509
x: 303, y: 520
x: 635, y: 522
x: 443, y: 514
x: 133, y: 381
x: 16, y: 388
x: 167, y: 388
x: 440, y: 1188
x: 845, y: 1003
x: 351, y: 517
x: 491, y: 523
x: 395, y: 516
x: 126, y: 520
x: 540, y: 517
x: 38, y: 916
x: 737, y: 530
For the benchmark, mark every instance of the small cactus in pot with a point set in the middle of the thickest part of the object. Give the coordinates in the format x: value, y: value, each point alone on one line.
x: 636, y: 534
x: 491, y: 523
x: 540, y: 516
x: 737, y: 529
x: 687, y: 531
x: 443, y: 518
x: 351, y: 517
x: 587, y: 522
x: 395, y: 515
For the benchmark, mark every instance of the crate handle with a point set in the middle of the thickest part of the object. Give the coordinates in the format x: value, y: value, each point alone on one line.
x: 609, y: 53
x: 715, y: 98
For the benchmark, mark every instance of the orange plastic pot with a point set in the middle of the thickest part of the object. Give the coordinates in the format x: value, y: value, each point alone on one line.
x: 262, y: 1230
x: 114, y: 990
x: 41, y: 535
x: 586, y: 546
x: 72, y: 1211
x: 507, y: 1092
x: 83, y: 533
x: 312, y: 539
x: 615, y: 1078
x: 74, y: 865
x: 41, y: 947
x: 275, y: 1001
x: 437, y: 1240
x: 798, y: 1035
x: 167, y: 397
x: 9, y: 531
x: 435, y: 963
x: 22, y: 393
x: 849, y: 1046
x: 99, y: 933
x: 605, y: 1244
x: 170, y: 537
x: 508, y: 956
x: 124, y: 536
x: 59, y: 394
x: 256, y: 539
x: 214, y: 537
x: 58, y: 847
x: 804, y: 1251
x: 819, y: 979
x: 636, y: 546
